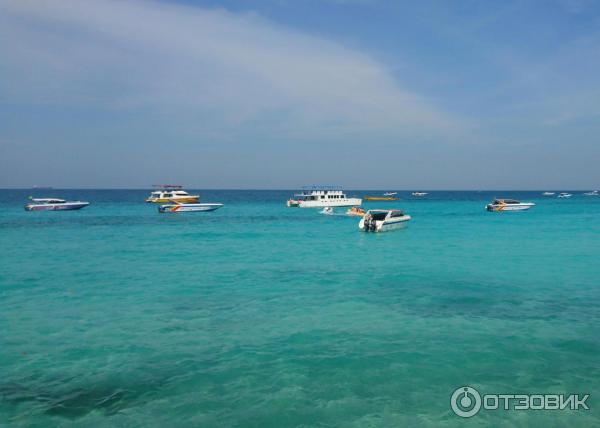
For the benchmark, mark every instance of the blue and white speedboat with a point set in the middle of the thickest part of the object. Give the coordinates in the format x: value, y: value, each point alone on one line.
x: 181, y: 208
x: 53, y: 204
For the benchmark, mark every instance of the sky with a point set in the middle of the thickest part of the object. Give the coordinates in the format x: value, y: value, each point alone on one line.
x: 277, y: 94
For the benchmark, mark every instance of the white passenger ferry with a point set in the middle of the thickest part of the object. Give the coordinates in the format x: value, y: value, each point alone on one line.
x: 322, y: 196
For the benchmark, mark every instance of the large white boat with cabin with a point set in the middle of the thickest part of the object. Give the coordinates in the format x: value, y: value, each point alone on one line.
x: 165, y: 193
x: 322, y: 196
x: 382, y: 220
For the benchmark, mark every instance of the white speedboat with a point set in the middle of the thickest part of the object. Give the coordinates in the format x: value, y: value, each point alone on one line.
x: 564, y: 195
x: 180, y: 208
x: 327, y: 211
x: 592, y: 193
x: 382, y: 220
x: 508, y: 205
x: 419, y: 193
x: 53, y: 204
x: 549, y: 193
x: 166, y: 193
x: 322, y: 196
x: 390, y: 193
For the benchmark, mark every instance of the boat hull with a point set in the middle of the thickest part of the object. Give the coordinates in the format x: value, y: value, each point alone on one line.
x: 181, y: 200
x: 179, y: 208
x: 66, y: 206
x: 385, y: 225
x: 499, y: 208
x: 348, y: 202
x: 380, y: 198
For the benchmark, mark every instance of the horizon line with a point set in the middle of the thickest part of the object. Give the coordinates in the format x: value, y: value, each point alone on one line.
x: 300, y: 188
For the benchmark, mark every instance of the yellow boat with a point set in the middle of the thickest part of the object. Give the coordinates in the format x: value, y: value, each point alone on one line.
x: 379, y: 198
x: 356, y: 211
x: 166, y: 194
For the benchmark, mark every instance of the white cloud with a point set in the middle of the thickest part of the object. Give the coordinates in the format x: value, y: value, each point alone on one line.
x: 229, y: 73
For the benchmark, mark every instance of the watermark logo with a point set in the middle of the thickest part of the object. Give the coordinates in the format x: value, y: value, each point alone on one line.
x: 467, y: 401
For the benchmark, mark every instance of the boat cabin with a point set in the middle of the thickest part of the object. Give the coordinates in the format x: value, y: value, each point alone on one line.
x: 320, y: 193
x: 383, y: 214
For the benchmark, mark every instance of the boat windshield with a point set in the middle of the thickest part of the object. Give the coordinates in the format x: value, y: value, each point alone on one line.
x: 380, y: 215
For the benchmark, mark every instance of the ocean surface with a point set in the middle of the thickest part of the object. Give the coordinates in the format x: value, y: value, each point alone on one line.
x: 259, y: 315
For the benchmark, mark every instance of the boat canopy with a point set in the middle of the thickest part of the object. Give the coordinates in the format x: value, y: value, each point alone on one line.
x: 48, y: 200
x: 167, y: 186
x: 317, y: 188
x: 382, y: 214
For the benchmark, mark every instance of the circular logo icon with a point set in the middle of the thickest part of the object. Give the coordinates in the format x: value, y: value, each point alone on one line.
x: 465, y: 401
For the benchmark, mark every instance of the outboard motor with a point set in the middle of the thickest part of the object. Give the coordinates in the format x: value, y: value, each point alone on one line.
x: 373, y: 225
x: 370, y: 224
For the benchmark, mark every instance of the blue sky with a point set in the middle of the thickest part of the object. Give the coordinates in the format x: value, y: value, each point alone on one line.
x: 281, y: 93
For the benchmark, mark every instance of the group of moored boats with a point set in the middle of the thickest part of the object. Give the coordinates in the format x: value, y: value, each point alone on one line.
x: 171, y: 199
x: 328, y: 197
x: 174, y: 199
x: 565, y: 195
x: 379, y: 220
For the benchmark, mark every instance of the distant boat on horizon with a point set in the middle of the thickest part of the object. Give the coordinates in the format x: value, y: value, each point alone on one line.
x: 36, y: 187
x: 379, y: 198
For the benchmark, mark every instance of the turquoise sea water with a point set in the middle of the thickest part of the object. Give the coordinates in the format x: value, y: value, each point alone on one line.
x: 258, y: 315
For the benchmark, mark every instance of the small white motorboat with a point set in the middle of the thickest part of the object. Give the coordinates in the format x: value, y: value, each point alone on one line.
x: 180, y: 208
x: 390, y: 193
x: 549, y: 193
x: 564, y: 195
x: 53, y: 204
x: 382, y: 220
x: 508, y: 205
x: 419, y: 193
x: 327, y: 211
x: 592, y: 193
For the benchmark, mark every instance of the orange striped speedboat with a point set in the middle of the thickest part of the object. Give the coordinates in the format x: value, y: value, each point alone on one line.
x: 180, y: 208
